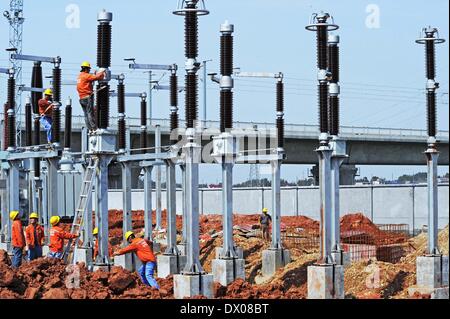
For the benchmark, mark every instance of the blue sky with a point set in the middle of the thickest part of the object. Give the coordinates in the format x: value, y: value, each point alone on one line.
x: 382, y: 69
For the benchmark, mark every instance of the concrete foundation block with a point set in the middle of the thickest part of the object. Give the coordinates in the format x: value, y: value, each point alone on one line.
x: 182, y: 248
x: 156, y: 247
x: 101, y: 267
x: 435, y: 293
x: 225, y: 271
x: 170, y: 265
x: 125, y: 261
x: 341, y: 258
x: 273, y: 259
x: 239, y: 251
x: 432, y: 271
x: 84, y: 255
x: 4, y: 246
x: 187, y: 286
x: 326, y: 282
x: 45, y: 250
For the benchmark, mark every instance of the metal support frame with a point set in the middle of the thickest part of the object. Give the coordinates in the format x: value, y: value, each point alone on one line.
x: 192, y: 153
x: 171, y: 191
x: 148, y: 226
x: 13, y: 187
x: 336, y: 163
x: 229, y: 249
x: 276, y: 205
x: 102, y: 213
x: 52, y: 188
x: 432, y: 191
x: 325, y: 153
x: 184, y: 208
x: 158, y: 187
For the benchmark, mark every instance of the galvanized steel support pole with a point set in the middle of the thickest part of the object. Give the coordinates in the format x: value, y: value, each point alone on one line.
x: 192, y: 159
x: 102, y: 200
x: 324, y: 153
x: 158, y: 225
x: 13, y: 191
x: 126, y: 197
x: 45, y: 211
x: 52, y: 187
x: 432, y: 190
x: 276, y: 205
x: 336, y: 163
x: 227, y: 204
x: 148, y: 226
x: 183, y: 202
x: 171, y: 192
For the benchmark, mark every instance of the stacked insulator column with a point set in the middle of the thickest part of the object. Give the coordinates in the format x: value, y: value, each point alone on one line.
x: 56, y: 116
x: 28, y: 125
x: 173, y: 107
x: 280, y: 113
x: 37, y: 141
x: 226, y: 82
x: 11, y: 112
x: 36, y: 82
x: 121, y: 114
x: 431, y: 89
x: 5, y: 127
x: 333, y: 67
x: 191, y: 52
x: 143, y: 137
x: 68, y: 126
x: 104, y: 37
x: 430, y: 39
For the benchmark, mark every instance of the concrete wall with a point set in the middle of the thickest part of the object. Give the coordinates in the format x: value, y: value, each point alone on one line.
x: 383, y: 204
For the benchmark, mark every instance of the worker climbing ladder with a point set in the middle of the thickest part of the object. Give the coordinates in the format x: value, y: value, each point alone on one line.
x: 85, y: 196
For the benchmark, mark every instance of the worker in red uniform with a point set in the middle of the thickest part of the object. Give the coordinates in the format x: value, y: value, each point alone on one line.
x: 144, y: 251
x: 34, y: 235
x: 46, y: 111
x: 17, y: 238
x: 85, y: 88
x: 95, y: 234
x: 57, y: 236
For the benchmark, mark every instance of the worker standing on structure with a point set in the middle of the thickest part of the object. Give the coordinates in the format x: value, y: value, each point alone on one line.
x: 46, y: 111
x: 143, y: 249
x: 85, y: 88
x: 57, y: 236
x: 17, y: 238
x: 264, y: 221
x: 34, y: 234
x: 95, y: 234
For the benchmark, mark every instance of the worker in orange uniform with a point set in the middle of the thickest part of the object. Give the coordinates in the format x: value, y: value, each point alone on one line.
x: 34, y: 234
x: 264, y: 220
x: 144, y: 251
x: 95, y: 234
x: 17, y: 238
x: 85, y: 88
x: 57, y: 236
x: 46, y: 111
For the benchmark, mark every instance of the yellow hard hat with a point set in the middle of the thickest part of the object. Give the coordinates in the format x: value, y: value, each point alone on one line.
x: 128, y: 234
x: 34, y: 215
x: 85, y: 64
x: 13, y: 214
x: 95, y: 231
x: 48, y: 92
x: 265, y: 210
x: 54, y: 220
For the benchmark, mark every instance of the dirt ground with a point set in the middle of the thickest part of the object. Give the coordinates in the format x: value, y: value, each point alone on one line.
x: 51, y: 279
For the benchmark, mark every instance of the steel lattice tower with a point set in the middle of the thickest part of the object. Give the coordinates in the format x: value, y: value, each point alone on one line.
x: 16, y: 19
